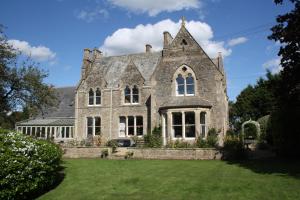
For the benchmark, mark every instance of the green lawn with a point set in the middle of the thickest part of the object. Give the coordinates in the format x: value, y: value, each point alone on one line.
x: 91, y: 179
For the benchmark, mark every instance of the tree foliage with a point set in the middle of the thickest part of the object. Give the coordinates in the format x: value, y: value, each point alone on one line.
x: 254, y: 101
x: 21, y: 83
x: 285, y: 117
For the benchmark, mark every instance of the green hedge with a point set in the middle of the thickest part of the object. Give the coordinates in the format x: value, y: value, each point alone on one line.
x: 28, y: 166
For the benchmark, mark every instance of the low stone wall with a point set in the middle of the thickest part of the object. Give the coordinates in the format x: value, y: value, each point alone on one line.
x: 180, y: 154
x: 146, y: 153
x: 84, y: 152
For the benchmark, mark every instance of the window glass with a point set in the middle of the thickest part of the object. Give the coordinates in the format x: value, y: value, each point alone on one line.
x: 28, y: 131
x: 189, y: 124
x: 180, y: 84
x: 98, y: 96
x: 202, y: 124
x: 97, y: 125
x: 190, y: 84
x: 62, y: 131
x: 67, y: 132
x: 130, y: 125
x: 135, y: 94
x: 127, y: 95
x: 91, y: 97
x: 139, y: 125
x: 177, y: 124
x: 33, y: 131
x: 90, y: 126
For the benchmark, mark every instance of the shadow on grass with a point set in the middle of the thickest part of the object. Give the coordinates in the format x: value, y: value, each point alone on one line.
x: 279, y: 166
x: 59, y: 178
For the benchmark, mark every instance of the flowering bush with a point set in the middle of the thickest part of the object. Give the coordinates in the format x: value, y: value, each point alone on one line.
x: 28, y: 166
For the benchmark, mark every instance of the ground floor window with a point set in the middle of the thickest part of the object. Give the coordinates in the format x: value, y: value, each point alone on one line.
x: 131, y: 126
x: 93, y: 126
x: 177, y: 124
x: 202, y: 124
x: 48, y: 132
x: 190, y: 124
x: 183, y: 124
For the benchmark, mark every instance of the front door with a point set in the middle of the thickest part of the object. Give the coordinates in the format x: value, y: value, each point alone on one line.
x: 122, y: 127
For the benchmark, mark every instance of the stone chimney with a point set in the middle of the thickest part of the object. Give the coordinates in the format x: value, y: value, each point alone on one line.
x: 97, y: 54
x: 86, y: 54
x: 167, y: 39
x: 148, y: 48
x: 86, y: 62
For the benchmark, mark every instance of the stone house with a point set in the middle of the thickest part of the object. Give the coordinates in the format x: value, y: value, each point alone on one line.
x: 181, y: 89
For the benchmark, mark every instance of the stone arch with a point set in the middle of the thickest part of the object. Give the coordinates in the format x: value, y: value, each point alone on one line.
x: 255, y: 123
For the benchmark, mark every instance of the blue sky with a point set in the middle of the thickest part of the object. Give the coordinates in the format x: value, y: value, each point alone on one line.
x: 54, y: 33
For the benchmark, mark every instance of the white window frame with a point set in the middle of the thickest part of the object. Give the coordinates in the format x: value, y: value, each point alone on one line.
x: 185, y: 75
x: 94, y: 97
x: 131, y: 95
x: 93, y: 126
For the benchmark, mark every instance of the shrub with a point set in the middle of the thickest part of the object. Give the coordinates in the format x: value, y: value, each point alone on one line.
x: 104, y: 153
x: 28, y: 166
x: 179, y: 144
x: 201, y: 143
x: 153, y: 140
x: 113, y: 144
x: 234, y: 148
x: 230, y: 132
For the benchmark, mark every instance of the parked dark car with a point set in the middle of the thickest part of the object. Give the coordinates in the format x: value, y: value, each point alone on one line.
x: 124, y: 142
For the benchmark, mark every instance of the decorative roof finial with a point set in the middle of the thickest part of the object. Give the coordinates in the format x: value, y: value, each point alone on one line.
x: 182, y: 21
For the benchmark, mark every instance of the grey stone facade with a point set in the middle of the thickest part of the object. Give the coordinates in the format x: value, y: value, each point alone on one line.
x: 154, y: 74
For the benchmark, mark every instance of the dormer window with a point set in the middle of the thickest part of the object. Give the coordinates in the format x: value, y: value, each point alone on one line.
x: 185, y: 82
x: 131, y: 95
x: 94, y: 97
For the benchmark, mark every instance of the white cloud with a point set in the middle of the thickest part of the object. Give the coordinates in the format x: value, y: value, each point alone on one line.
x: 133, y: 40
x: 154, y: 7
x: 273, y: 65
x: 236, y: 41
x: 93, y: 14
x: 39, y: 53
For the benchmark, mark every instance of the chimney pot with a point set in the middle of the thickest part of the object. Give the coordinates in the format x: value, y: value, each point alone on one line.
x: 97, y: 53
x: 86, y: 54
x: 148, y: 48
x: 167, y: 39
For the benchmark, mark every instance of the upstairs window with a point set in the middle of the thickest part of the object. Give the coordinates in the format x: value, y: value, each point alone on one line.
x: 135, y: 94
x: 127, y: 92
x: 185, y: 82
x: 94, y: 97
x: 131, y: 95
x: 91, y: 97
x: 98, y: 96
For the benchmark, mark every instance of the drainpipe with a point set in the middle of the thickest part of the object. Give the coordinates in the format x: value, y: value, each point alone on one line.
x: 110, y: 118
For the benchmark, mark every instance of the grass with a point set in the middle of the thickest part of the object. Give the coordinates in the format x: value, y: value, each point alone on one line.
x: 177, y: 179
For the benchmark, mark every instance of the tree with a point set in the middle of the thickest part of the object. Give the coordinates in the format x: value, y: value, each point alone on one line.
x: 21, y: 84
x: 254, y: 101
x: 285, y: 118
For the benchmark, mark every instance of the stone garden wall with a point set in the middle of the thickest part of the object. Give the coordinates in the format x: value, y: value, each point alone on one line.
x: 145, y: 153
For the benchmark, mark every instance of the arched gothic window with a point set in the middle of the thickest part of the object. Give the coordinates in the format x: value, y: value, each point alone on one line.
x: 180, y: 84
x: 91, y: 97
x: 185, y: 82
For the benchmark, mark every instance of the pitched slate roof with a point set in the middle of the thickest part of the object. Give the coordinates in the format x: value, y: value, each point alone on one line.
x: 185, y: 102
x: 48, y: 122
x: 114, y: 66
x: 66, y: 107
